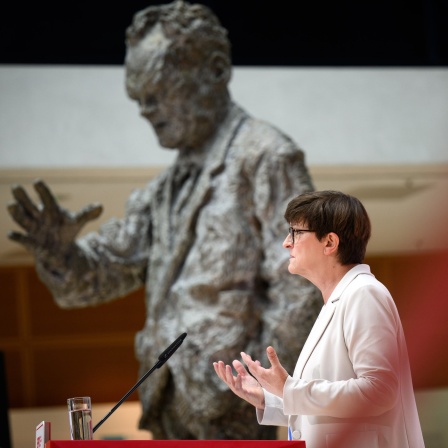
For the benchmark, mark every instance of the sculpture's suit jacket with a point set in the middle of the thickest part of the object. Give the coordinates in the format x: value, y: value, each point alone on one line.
x: 352, y: 384
x: 208, y: 247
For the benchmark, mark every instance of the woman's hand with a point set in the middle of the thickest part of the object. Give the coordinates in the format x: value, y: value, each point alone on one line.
x: 272, y: 379
x: 243, y: 384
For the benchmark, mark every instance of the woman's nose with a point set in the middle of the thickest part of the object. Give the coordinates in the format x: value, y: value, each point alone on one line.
x: 287, y: 242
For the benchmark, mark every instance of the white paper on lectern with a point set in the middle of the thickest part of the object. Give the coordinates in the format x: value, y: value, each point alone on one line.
x: 43, y: 434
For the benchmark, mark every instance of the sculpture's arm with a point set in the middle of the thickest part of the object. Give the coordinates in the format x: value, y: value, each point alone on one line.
x: 78, y: 272
x: 50, y: 229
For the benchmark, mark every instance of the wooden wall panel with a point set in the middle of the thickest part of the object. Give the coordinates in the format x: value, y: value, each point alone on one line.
x: 103, y: 373
x: 419, y: 286
x: 42, y: 341
x: 9, y: 315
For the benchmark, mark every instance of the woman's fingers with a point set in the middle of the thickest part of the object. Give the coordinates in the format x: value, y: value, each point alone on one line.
x: 272, y: 357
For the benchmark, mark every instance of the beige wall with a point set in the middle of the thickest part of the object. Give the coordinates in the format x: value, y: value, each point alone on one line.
x: 69, y: 116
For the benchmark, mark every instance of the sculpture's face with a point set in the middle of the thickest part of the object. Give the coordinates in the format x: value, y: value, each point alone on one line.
x: 177, y: 101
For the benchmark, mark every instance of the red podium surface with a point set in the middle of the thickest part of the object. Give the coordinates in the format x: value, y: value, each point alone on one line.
x: 175, y: 444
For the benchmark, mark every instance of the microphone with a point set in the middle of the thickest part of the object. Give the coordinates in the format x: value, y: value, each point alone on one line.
x: 163, y: 358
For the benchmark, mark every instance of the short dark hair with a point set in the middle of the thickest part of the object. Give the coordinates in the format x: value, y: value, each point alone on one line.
x: 333, y: 211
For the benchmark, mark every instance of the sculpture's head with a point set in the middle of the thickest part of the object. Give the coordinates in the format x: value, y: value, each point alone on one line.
x: 178, y: 67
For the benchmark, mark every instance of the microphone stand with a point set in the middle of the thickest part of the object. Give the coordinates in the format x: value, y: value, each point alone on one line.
x: 163, y: 358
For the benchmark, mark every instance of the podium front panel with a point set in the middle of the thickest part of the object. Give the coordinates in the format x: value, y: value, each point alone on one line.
x: 175, y: 444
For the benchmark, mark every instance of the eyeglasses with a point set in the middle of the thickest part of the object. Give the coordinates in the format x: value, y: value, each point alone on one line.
x: 293, y: 232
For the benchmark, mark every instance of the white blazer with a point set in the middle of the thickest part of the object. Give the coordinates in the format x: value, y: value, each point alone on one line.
x: 352, y: 383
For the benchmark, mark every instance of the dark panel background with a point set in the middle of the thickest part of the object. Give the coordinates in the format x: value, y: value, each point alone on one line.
x: 263, y: 33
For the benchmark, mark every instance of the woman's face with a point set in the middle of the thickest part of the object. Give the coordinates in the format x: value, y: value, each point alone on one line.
x: 305, y: 252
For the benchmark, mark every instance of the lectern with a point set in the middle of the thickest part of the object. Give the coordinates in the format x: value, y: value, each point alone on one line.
x: 175, y: 444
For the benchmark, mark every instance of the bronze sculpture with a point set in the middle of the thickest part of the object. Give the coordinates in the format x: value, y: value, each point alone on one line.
x: 204, y: 237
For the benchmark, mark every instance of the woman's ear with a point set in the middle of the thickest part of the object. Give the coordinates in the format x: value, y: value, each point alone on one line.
x: 331, y: 243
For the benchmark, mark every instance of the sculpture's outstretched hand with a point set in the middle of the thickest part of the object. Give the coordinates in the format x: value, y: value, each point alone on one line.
x: 49, y: 228
x: 243, y: 384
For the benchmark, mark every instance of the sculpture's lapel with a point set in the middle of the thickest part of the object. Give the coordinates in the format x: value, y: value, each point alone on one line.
x: 174, y: 228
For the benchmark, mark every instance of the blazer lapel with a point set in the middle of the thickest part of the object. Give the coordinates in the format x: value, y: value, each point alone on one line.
x: 315, y: 335
x: 326, y: 315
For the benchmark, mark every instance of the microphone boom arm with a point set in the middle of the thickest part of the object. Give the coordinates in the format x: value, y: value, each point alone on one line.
x: 163, y: 358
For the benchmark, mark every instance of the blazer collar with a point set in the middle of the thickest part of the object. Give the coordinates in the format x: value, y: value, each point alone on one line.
x: 326, y: 315
x: 346, y: 280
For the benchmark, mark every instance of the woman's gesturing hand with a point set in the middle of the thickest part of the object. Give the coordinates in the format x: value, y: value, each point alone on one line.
x: 243, y: 384
x: 272, y: 379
